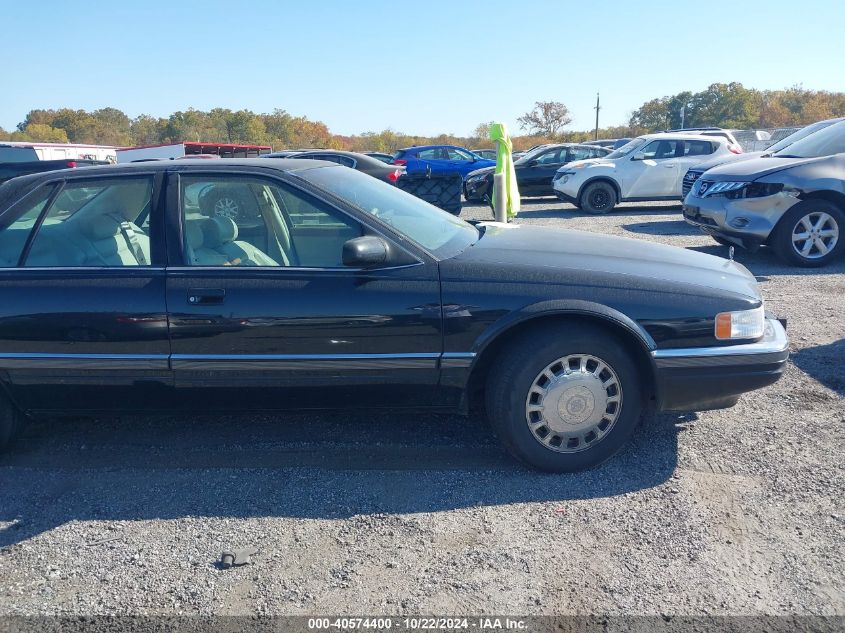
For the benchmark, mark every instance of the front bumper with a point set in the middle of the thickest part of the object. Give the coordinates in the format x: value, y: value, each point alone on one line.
x: 747, y: 222
x: 697, y: 379
x: 476, y: 189
x: 564, y: 190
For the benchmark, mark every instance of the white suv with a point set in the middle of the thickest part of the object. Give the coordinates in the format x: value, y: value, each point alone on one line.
x: 650, y: 167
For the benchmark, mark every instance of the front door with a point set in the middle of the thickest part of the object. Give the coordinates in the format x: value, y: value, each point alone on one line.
x: 653, y: 172
x: 536, y: 177
x: 83, y: 322
x: 268, y: 317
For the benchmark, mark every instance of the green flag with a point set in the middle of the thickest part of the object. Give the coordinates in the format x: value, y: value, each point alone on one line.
x: 504, y: 165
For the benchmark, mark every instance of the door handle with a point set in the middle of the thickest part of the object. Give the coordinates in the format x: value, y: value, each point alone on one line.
x: 670, y: 165
x: 206, y: 296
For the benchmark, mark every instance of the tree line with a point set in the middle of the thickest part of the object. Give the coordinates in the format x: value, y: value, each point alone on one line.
x: 723, y: 105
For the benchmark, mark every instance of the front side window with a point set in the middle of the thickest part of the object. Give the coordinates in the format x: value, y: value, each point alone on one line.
x: 551, y: 157
x: 91, y: 223
x: 244, y: 221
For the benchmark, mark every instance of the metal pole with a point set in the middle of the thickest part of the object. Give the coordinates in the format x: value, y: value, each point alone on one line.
x: 499, y: 211
x: 598, y: 107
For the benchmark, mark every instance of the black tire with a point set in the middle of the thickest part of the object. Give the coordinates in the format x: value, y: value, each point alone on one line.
x: 811, y: 211
x: 511, y: 385
x: 226, y: 202
x: 598, y: 198
x: 11, y: 421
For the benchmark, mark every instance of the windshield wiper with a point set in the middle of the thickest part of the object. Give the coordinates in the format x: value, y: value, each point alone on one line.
x: 778, y: 155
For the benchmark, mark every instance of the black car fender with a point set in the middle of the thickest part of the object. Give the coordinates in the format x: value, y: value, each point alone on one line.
x: 488, y: 344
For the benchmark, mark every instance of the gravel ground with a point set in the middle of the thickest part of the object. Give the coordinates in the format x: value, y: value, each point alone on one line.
x: 725, y: 512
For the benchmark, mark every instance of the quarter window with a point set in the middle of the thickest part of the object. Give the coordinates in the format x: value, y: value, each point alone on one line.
x: 13, y: 237
x: 699, y: 148
x: 231, y: 221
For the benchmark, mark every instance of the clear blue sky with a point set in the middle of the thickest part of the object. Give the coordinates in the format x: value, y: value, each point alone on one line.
x: 417, y: 66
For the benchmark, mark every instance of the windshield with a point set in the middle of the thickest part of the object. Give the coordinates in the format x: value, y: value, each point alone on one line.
x: 626, y: 149
x: 830, y: 140
x: 438, y: 232
x: 798, y: 135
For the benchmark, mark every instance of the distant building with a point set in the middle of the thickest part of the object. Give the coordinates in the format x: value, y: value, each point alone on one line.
x: 186, y: 149
x: 24, y: 151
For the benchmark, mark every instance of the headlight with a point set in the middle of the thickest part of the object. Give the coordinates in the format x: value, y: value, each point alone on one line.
x: 738, y: 190
x: 742, y: 324
x: 561, y: 176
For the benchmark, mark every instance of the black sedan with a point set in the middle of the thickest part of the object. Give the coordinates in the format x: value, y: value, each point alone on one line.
x: 362, y: 162
x: 534, y: 170
x: 119, y: 294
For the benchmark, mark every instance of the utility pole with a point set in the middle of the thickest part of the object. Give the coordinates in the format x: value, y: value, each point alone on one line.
x: 597, y: 108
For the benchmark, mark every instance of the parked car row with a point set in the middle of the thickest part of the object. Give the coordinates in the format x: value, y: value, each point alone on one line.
x: 650, y: 167
x: 534, y: 171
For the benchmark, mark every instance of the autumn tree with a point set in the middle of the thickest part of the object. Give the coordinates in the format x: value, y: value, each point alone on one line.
x: 548, y: 118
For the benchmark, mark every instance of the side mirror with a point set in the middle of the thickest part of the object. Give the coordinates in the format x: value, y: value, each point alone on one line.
x: 364, y: 252
x: 639, y: 156
x: 531, y: 163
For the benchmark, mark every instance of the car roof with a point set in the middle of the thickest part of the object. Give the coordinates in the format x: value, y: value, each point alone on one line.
x: 288, y: 165
x: 681, y: 136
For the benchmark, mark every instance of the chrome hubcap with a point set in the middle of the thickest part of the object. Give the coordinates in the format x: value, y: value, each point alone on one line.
x: 573, y: 403
x: 815, y: 235
x: 226, y: 208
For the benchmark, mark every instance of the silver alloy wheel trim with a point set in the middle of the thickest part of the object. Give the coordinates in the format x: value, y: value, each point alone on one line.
x: 573, y: 403
x: 815, y: 235
x: 226, y: 208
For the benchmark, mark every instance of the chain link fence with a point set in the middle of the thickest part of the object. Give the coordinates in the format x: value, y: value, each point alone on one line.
x: 758, y: 140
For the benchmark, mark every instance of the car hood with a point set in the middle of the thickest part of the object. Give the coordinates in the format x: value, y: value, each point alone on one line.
x: 561, y: 250
x: 725, y: 159
x: 482, y: 171
x: 749, y: 170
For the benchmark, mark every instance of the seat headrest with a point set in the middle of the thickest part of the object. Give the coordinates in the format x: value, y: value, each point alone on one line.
x: 99, y: 227
x: 193, y: 235
x: 218, y: 231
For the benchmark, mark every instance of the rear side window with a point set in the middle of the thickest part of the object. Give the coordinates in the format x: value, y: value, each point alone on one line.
x: 13, y: 236
x: 699, y: 148
x: 94, y: 223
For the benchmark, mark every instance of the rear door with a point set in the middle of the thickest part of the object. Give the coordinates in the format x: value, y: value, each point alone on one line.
x: 695, y: 151
x: 272, y: 319
x: 83, y: 322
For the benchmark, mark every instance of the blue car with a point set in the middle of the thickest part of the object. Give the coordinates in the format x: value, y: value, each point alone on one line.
x: 444, y: 159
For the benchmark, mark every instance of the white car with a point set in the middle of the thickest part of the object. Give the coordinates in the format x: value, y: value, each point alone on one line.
x: 650, y: 167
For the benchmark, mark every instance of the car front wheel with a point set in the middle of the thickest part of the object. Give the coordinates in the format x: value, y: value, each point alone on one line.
x: 810, y: 234
x: 598, y: 198
x: 564, y: 398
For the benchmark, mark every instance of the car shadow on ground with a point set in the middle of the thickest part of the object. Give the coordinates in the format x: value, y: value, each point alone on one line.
x: 824, y: 363
x: 661, y: 227
x: 301, y: 466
